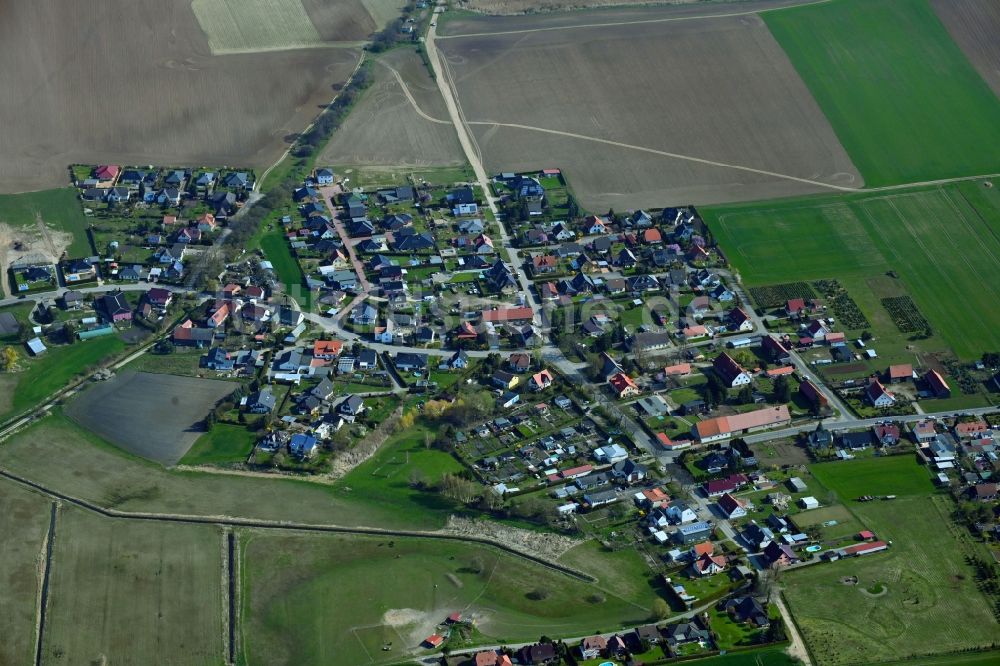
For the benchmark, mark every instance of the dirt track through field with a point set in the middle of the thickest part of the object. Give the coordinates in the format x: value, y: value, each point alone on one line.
x: 618, y: 144
x: 43, y: 596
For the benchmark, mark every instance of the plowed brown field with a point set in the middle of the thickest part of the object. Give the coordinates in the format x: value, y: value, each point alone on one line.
x: 133, y: 81
x: 975, y: 27
x: 718, y: 93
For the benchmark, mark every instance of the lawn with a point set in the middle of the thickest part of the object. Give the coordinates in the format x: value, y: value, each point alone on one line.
x: 25, y: 521
x: 885, y: 72
x: 222, y: 444
x: 947, y: 269
x: 893, y: 475
x: 766, y: 656
x: 931, y: 604
x: 294, y: 584
x: 369, y: 176
x: 185, y: 362
x: 59, y: 209
x: 56, y: 368
x: 133, y: 589
x: 286, y: 266
x: 385, y: 481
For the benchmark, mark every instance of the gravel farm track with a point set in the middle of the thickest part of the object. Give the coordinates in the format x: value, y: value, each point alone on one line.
x: 712, y: 111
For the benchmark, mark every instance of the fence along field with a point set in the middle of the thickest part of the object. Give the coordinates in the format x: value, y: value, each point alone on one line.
x: 886, y: 72
x: 170, y: 101
x: 949, y: 269
x: 718, y: 89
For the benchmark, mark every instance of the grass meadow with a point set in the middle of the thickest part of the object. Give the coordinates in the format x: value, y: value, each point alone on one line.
x: 54, y: 369
x: 58, y: 208
x: 24, y: 522
x: 900, y: 94
x: 95, y: 470
x: 931, y: 604
x: 222, y: 444
x: 291, y: 585
x: 132, y: 589
x: 943, y: 243
x: 890, y: 475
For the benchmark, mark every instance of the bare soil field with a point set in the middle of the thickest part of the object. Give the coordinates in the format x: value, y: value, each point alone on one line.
x: 157, y: 417
x: 386, y: 129
x: 135, y: 82
x: 350, y: 20
x: 123, y: 591
x: 718, y: 94
x: 974, y: 25
x: 24, y: 522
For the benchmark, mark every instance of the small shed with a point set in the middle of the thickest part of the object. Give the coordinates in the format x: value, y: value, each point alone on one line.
x: 809, y: 503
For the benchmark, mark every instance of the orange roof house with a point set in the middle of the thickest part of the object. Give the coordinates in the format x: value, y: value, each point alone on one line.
x: 327, y: 349
x: 623, y: 385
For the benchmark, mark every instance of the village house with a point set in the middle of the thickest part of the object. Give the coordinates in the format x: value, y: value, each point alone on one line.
x: 623, y: 385
x: 730, y: 372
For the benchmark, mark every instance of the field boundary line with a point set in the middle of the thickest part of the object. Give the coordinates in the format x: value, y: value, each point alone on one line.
x: 44, y: 578
x: 612, y: 24
x: 291, y: 526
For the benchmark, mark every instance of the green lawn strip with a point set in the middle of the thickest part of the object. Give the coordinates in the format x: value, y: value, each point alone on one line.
x: 59, y: 209
x: 890, y: 244
x: 182, y: 362
x: 890, y: 475
x: 223, y: 443
x: 56, y: 367
x: 278, y: 252
x: 884, y: 72
x: 294, y: 583
x: 774, y: 656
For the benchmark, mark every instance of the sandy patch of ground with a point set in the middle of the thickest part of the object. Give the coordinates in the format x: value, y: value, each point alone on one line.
x: 39, y: 243
x: 542, y: 544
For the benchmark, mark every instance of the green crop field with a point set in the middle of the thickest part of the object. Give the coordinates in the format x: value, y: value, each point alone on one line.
x: 901, y: 96
x: 222, y: 444
x: 237, y: 26
x: 24, y: 521
x: 292, y: 585
x: 931, y: 604
x: 942, y: 242
x: 132, y: 589
x: 286, y: 266
x: 891, y: 475
x: 55, y: 368
x: 59, y: 209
